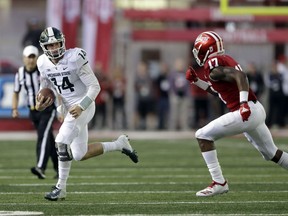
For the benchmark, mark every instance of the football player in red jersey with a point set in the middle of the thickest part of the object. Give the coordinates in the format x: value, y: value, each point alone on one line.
x: 225, y: 78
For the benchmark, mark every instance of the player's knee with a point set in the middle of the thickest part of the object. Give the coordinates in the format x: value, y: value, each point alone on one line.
x: 78, y: 157
x: 67, y: 137
x: 79, y: 154
x: 64, y: 152
x: 199, y: 134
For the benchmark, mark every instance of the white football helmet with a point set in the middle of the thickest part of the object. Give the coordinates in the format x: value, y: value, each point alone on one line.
x: 49, y: 36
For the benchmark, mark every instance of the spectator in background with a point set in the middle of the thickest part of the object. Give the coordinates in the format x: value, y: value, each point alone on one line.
x: 118, y: 97
x: 255, y: 78
x: 28, y: 77
x: 32, y: 34
x: 275, y: 101
x: 163, y: 102
x: 282, y: 68
x: 99, y: 119
x: 143, y: 89
x: 180, y: 97
x: 200, y: 102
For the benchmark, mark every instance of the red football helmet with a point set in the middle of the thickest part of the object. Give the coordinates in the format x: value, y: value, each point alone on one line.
x: 206, y: 45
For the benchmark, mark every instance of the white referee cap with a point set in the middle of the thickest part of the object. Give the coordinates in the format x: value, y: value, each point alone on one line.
x: 30, y: 50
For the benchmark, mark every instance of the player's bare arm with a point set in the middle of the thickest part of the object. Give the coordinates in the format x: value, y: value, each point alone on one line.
x: 15, y: 99
x: 230, y: 74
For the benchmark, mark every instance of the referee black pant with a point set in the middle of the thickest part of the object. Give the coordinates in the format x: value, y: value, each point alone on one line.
x: 45, y: 147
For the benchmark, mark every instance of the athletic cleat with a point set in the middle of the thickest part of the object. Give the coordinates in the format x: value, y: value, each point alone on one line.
x: 55, y: 194
x: 214, y: 189
x: 38, y: 172
x: 126, y: 148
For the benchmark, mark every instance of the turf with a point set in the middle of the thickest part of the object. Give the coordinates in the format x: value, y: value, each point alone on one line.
x: 164, y: 181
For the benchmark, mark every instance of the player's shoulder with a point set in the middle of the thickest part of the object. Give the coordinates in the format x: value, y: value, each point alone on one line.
x: 42, y: 61
x: 226, y: 58
x: 220, y: 60
x: 75, y: 55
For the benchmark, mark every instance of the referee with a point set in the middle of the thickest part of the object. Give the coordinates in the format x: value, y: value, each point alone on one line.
x: 28, y: 77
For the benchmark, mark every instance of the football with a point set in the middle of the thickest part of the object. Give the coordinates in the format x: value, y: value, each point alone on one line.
x: 47, y: 93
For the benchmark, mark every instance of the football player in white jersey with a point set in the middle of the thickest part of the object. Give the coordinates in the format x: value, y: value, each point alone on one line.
x: 68, y: 72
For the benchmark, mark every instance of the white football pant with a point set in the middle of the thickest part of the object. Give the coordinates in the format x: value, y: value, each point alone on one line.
x: 74, y: 132
x: 255, y: 129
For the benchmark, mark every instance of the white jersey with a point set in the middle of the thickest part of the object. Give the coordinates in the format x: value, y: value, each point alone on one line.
x: 71, y: 77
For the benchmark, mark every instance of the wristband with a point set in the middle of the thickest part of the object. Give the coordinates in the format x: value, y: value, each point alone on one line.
x: 243, y: 96
x: 84, y: 104
x: 201, y: 84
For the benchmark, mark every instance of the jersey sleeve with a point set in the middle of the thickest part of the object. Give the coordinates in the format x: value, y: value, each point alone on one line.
x: 87, y: 76
x: 80, y: 57
x: 19, y: 79
x: 17, y: 85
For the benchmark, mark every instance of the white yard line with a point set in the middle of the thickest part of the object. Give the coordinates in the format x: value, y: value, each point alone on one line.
x: 137, y: 135
x: 136, y: 192
x: 144, y: 183
x: 17, y: 213
x: 142, y: 177
x: 146, y: 203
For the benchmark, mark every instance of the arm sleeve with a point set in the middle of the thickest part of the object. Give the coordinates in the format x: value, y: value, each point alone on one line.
x: 202, y: 84
x: 88, y: 77
x: 17, y: 86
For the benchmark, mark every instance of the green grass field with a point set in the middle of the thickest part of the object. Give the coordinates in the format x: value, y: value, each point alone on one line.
x: 164, y: 182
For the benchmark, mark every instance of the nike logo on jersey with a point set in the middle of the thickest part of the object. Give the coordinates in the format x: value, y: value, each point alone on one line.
x: 64, y: 68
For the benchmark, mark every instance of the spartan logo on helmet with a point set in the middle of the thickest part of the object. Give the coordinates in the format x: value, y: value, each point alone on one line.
x: 52, y: 35
x: 206, y: 45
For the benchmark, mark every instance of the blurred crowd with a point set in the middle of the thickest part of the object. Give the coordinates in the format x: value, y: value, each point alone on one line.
x: 164, y: 100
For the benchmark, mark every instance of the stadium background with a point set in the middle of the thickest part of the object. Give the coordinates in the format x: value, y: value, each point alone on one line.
x: 138, y: 30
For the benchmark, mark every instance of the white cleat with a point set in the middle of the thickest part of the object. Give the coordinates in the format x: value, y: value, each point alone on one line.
x: 56, y: 194
x: 214, y: 189
x: 126, y: 148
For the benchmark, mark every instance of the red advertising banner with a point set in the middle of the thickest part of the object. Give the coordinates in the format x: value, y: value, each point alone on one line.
x: 197, y: 14
x: 238, y: 36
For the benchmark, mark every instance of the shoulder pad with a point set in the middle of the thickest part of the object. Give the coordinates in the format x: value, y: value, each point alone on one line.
x: 41, y: 61
x: 77, y: 55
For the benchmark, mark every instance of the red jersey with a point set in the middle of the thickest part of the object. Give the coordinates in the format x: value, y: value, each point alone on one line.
x: 227, y: 91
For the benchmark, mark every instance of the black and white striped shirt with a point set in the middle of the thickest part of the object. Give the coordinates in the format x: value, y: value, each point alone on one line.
x: 30, y: 81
